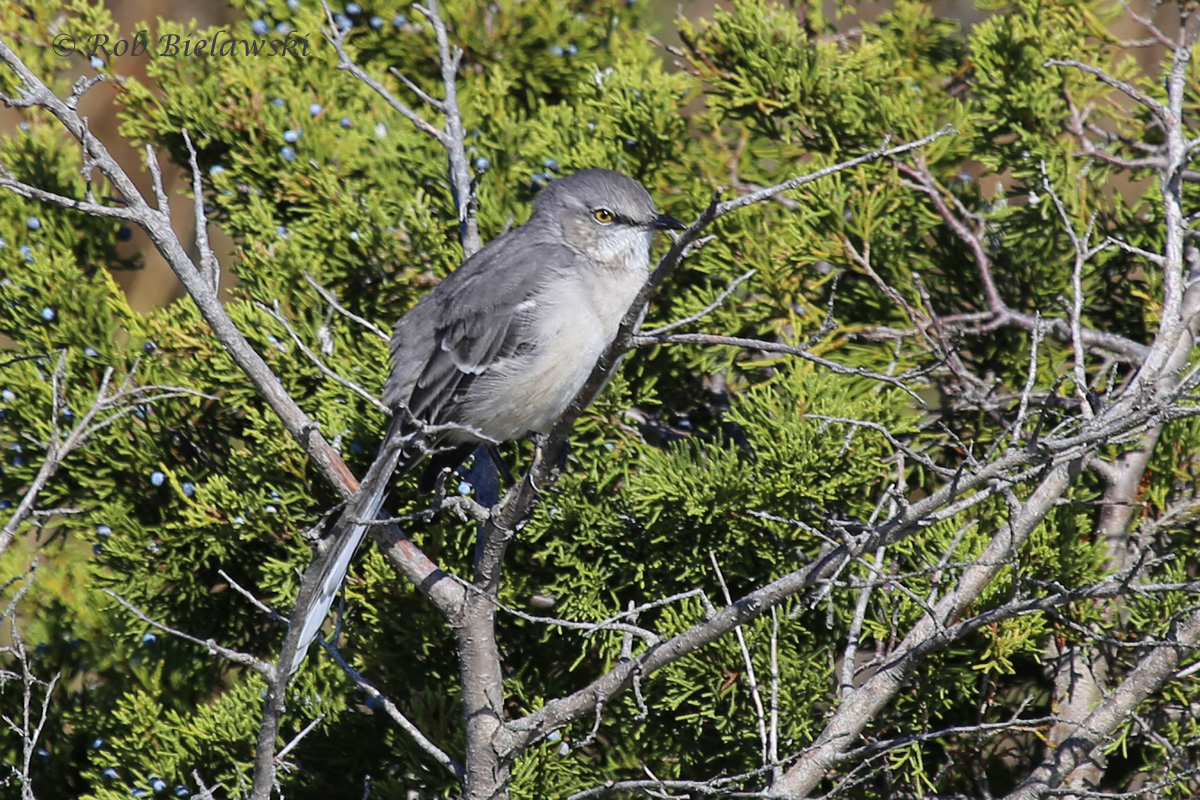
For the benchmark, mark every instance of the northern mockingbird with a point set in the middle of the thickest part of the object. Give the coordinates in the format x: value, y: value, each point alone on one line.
x: 501, y: 347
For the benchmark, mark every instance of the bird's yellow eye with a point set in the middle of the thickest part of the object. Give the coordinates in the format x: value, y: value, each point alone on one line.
x: 603, y: 215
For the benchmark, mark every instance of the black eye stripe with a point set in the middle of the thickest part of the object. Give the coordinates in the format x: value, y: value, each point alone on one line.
x: 614, y: 218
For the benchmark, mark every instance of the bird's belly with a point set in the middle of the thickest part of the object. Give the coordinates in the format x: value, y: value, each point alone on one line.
x: 528, y: 392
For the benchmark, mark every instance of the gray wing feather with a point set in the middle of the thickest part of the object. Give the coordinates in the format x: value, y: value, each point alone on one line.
x: 479, y: 315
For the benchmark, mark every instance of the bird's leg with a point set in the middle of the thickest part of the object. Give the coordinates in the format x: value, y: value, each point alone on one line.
x: 561, y: 463
x: 443, y: 462
x: 539, y: 453
x: 484, y: 477
x: 494, y: 453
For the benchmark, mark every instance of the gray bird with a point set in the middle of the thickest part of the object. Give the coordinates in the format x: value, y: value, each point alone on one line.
x: 500, y: 348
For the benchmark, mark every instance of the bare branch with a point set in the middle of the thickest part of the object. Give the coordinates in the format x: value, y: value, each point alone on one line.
x: 156, y: 222
x: 277, y: 315
x: 1082, y: 256
x: 881, y: 152
x: 1093, y: 732
x: 455, y: 137
x: 649, y: 340
x: 708, y: 309
x: 452, y: 137
x: 1160, y: 111
x: 591, y: 628
x: 208, y: 260
x: 109, y: 406
x: 1002, y: 314
x: 751, y: 681
x: 333, y: 301
x: 244, y: 659
x: 1030, y: 379
x: 403, y: 722
x: 337, y: 37
x: 28, y: 725
x: 287, y: 748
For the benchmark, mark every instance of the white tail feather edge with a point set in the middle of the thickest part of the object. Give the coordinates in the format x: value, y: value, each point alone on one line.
x: 348, y: 535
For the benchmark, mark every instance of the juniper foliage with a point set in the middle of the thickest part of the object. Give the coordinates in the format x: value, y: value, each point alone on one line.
x: 733, y: 457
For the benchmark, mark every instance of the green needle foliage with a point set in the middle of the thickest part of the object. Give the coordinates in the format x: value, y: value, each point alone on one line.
x: 734, y: 458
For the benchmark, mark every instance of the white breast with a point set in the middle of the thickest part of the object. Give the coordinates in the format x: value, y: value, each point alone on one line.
x: 578, y: 316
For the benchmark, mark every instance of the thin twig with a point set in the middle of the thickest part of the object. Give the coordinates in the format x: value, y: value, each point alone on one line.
x: 333, y: 301
x: 704, y: 312
x: 751, y: 681
x: 245, y: 659
x: 651, y: 340
x: 277, y: 314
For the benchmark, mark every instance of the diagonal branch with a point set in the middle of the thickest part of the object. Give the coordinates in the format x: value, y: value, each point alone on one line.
x: 1163, y: 113
x: 652, y: 339
x: 708, y: 309
x: 1095, y: 731
x: 276, y: 314
x: 337, y: 37
x: 233, y: 656
x: 1002, y: 313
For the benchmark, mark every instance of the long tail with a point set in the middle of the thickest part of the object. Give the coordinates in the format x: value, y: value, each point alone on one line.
x: 324, y: 576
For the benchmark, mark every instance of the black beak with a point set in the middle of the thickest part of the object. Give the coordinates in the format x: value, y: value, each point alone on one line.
x: 665, y: 222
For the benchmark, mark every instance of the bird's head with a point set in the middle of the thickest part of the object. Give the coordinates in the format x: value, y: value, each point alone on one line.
x: 607, y: 216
